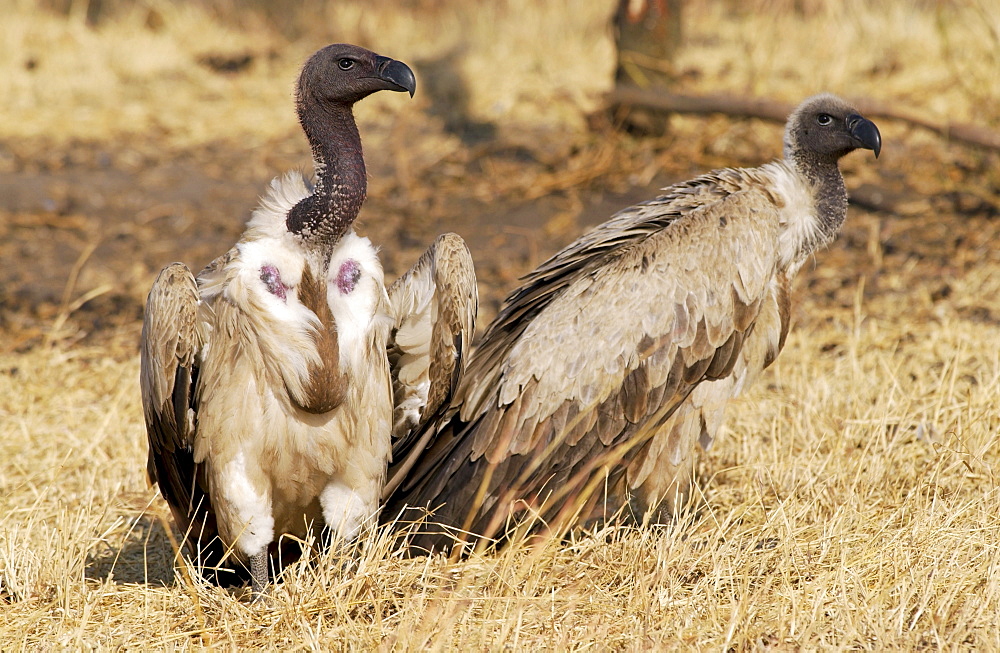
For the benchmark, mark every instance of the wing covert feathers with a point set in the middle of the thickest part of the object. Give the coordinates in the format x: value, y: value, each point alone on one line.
x: 651, y: 313
x: 592, y: 362
x: 434, y: 310
x: 172, y: 338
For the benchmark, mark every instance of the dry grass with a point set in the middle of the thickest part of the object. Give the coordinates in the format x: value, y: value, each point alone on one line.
x: 69, y: 81
x: 851, y: 502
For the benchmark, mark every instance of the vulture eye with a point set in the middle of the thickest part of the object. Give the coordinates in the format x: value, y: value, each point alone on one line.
x: 824, y: 119
x: 346, y: 64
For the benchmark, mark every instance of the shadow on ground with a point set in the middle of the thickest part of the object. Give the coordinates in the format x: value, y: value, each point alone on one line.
x: 146, y: 556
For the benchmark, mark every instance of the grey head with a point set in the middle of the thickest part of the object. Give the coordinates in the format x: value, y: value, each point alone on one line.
x: 819, y: 132
x: 824, y: 128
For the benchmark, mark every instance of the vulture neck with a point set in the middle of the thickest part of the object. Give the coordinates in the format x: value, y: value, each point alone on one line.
x: 828, y: 190
x: 341, y: 181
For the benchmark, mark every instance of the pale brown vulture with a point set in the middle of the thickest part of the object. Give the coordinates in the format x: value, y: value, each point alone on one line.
x: 616, y: 356
x: 265, y: 382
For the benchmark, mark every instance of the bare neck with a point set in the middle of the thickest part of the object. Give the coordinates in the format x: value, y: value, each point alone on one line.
x: 829, y: 191
x: 341, y: 181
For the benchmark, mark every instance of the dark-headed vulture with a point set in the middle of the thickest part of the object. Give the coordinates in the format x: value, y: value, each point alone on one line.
x: 266, y: 383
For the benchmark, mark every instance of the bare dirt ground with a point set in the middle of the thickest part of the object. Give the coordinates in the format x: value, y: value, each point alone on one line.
x: 85, y: 216
x: 102, y: 218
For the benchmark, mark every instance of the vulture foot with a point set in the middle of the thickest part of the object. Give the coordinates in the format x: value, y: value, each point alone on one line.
x: 258, y: 576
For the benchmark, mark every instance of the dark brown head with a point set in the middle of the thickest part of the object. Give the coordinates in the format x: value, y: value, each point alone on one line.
x: 344, y: 74
x: 825, y: 128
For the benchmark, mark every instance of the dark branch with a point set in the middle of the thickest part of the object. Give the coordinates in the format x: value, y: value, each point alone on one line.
x: 777, y: 111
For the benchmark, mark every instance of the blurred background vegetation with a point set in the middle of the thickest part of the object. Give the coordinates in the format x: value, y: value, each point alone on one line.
x: 135, y: 133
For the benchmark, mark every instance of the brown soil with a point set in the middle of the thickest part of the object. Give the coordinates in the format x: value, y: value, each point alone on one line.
x: 104, y: 218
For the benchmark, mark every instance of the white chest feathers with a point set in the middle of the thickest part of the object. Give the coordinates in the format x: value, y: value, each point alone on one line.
x: 272, y: 270
x: 357, y: 297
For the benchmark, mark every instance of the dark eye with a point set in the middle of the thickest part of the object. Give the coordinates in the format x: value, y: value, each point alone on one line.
x: 346, y: 64
x: 824, y: 119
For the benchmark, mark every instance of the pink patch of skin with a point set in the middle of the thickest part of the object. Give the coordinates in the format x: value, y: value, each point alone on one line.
x: 348, y: 275
x: 272, y: 279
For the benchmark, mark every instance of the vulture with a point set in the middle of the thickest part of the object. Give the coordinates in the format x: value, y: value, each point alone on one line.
x: 589, y: 391
x: 266, y: 382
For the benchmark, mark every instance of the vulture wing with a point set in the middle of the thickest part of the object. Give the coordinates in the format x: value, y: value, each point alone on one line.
x: 434, y: 309
x: 172, y: 338
x: 595, y: 353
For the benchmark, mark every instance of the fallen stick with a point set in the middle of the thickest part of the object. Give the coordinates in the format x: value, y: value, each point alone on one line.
x: 777, y: 111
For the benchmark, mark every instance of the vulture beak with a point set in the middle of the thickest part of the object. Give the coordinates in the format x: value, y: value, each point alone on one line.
x: 865, y: 133
x: 396, y: 73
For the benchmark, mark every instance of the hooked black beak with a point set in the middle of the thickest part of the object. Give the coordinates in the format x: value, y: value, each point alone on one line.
x: 865, y: 133
x: 397, y: 73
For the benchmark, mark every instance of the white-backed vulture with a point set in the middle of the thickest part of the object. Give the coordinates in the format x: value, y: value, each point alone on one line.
x: 591, y: 388
x: 265, y: 382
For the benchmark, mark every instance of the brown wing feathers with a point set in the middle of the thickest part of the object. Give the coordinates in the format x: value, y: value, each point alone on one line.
x: 171, y: 339
x: 453, y: 326
x: 513, y: 442
x: 435, y: 305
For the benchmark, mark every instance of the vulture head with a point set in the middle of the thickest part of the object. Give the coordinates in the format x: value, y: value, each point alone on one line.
x: 826, y: 127
x: 344, y: 74
x: 332, y: 80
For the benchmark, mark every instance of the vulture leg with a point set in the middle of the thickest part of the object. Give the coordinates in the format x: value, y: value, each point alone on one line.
x: 346, y: 509
x: 258, y: 574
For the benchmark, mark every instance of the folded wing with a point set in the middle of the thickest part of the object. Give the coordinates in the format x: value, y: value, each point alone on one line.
x: 591, y: 357
x: 172, y: 339
x: 434, y: 310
